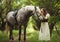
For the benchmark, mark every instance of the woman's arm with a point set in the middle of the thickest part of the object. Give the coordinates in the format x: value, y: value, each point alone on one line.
x: 46, y: 17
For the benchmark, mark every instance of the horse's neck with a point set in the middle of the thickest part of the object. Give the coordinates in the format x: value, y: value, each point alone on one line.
x: 30, y: 8
x: 28, y: 15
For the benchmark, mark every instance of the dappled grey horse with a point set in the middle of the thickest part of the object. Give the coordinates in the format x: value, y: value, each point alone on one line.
x: 21, y: 17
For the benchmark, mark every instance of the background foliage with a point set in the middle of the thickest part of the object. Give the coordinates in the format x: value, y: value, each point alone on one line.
x: 52, y: 6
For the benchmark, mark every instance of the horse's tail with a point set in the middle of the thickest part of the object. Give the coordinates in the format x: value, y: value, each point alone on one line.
x: 6, y: 27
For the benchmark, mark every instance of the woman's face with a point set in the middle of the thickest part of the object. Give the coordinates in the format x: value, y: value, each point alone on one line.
x: 43, y: 12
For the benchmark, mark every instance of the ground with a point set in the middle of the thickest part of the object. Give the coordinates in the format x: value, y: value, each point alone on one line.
x: 32, y: 35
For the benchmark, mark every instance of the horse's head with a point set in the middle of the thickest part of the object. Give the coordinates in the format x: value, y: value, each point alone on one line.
x: 36, y: 14
x: 36, y: 11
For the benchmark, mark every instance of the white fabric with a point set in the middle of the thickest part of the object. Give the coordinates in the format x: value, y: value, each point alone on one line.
x: 46, y: 17
x: 44, y: 33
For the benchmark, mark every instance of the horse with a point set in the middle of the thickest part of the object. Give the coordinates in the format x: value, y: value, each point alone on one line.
x: 21, y: 18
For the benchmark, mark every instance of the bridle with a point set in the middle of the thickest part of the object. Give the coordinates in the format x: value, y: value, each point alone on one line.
x: 36, y: 13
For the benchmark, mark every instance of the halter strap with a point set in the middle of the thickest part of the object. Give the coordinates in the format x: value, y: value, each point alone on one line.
x: 36, y: 12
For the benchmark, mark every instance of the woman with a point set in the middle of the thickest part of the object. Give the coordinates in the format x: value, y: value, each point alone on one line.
x: 44, y: 33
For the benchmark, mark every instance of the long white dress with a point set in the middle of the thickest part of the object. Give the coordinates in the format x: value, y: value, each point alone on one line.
x: 44, y: 33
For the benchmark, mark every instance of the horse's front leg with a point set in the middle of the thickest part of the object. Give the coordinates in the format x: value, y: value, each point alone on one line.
x: 25, y: 33
x: 19, y: 33
x: 11, y: 34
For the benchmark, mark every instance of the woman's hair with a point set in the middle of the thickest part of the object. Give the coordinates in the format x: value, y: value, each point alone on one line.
x: 43, y: 9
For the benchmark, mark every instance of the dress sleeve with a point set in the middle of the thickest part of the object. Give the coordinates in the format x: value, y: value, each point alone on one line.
x: 47, y: 16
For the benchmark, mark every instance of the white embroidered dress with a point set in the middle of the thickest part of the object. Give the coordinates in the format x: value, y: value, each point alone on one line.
x: 44, y: 33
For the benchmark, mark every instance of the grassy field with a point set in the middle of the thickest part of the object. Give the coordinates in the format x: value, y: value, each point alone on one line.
x: 32, y: 35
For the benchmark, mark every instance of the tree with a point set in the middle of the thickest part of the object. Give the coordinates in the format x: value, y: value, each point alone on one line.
x: 4, y: 9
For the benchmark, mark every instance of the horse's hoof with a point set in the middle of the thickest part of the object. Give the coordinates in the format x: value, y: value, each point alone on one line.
x: 19, y: 41
x: 24, y: 41
x: 11, y: 40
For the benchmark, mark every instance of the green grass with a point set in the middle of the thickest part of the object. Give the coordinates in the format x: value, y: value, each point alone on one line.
x: 3, y: 37
x: 32, y: 37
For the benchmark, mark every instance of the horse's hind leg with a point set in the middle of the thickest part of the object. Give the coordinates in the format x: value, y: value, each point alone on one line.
x: 10, y: 29
x: 11, y: 34
x: 25, y: 33
x: 19, y: 33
